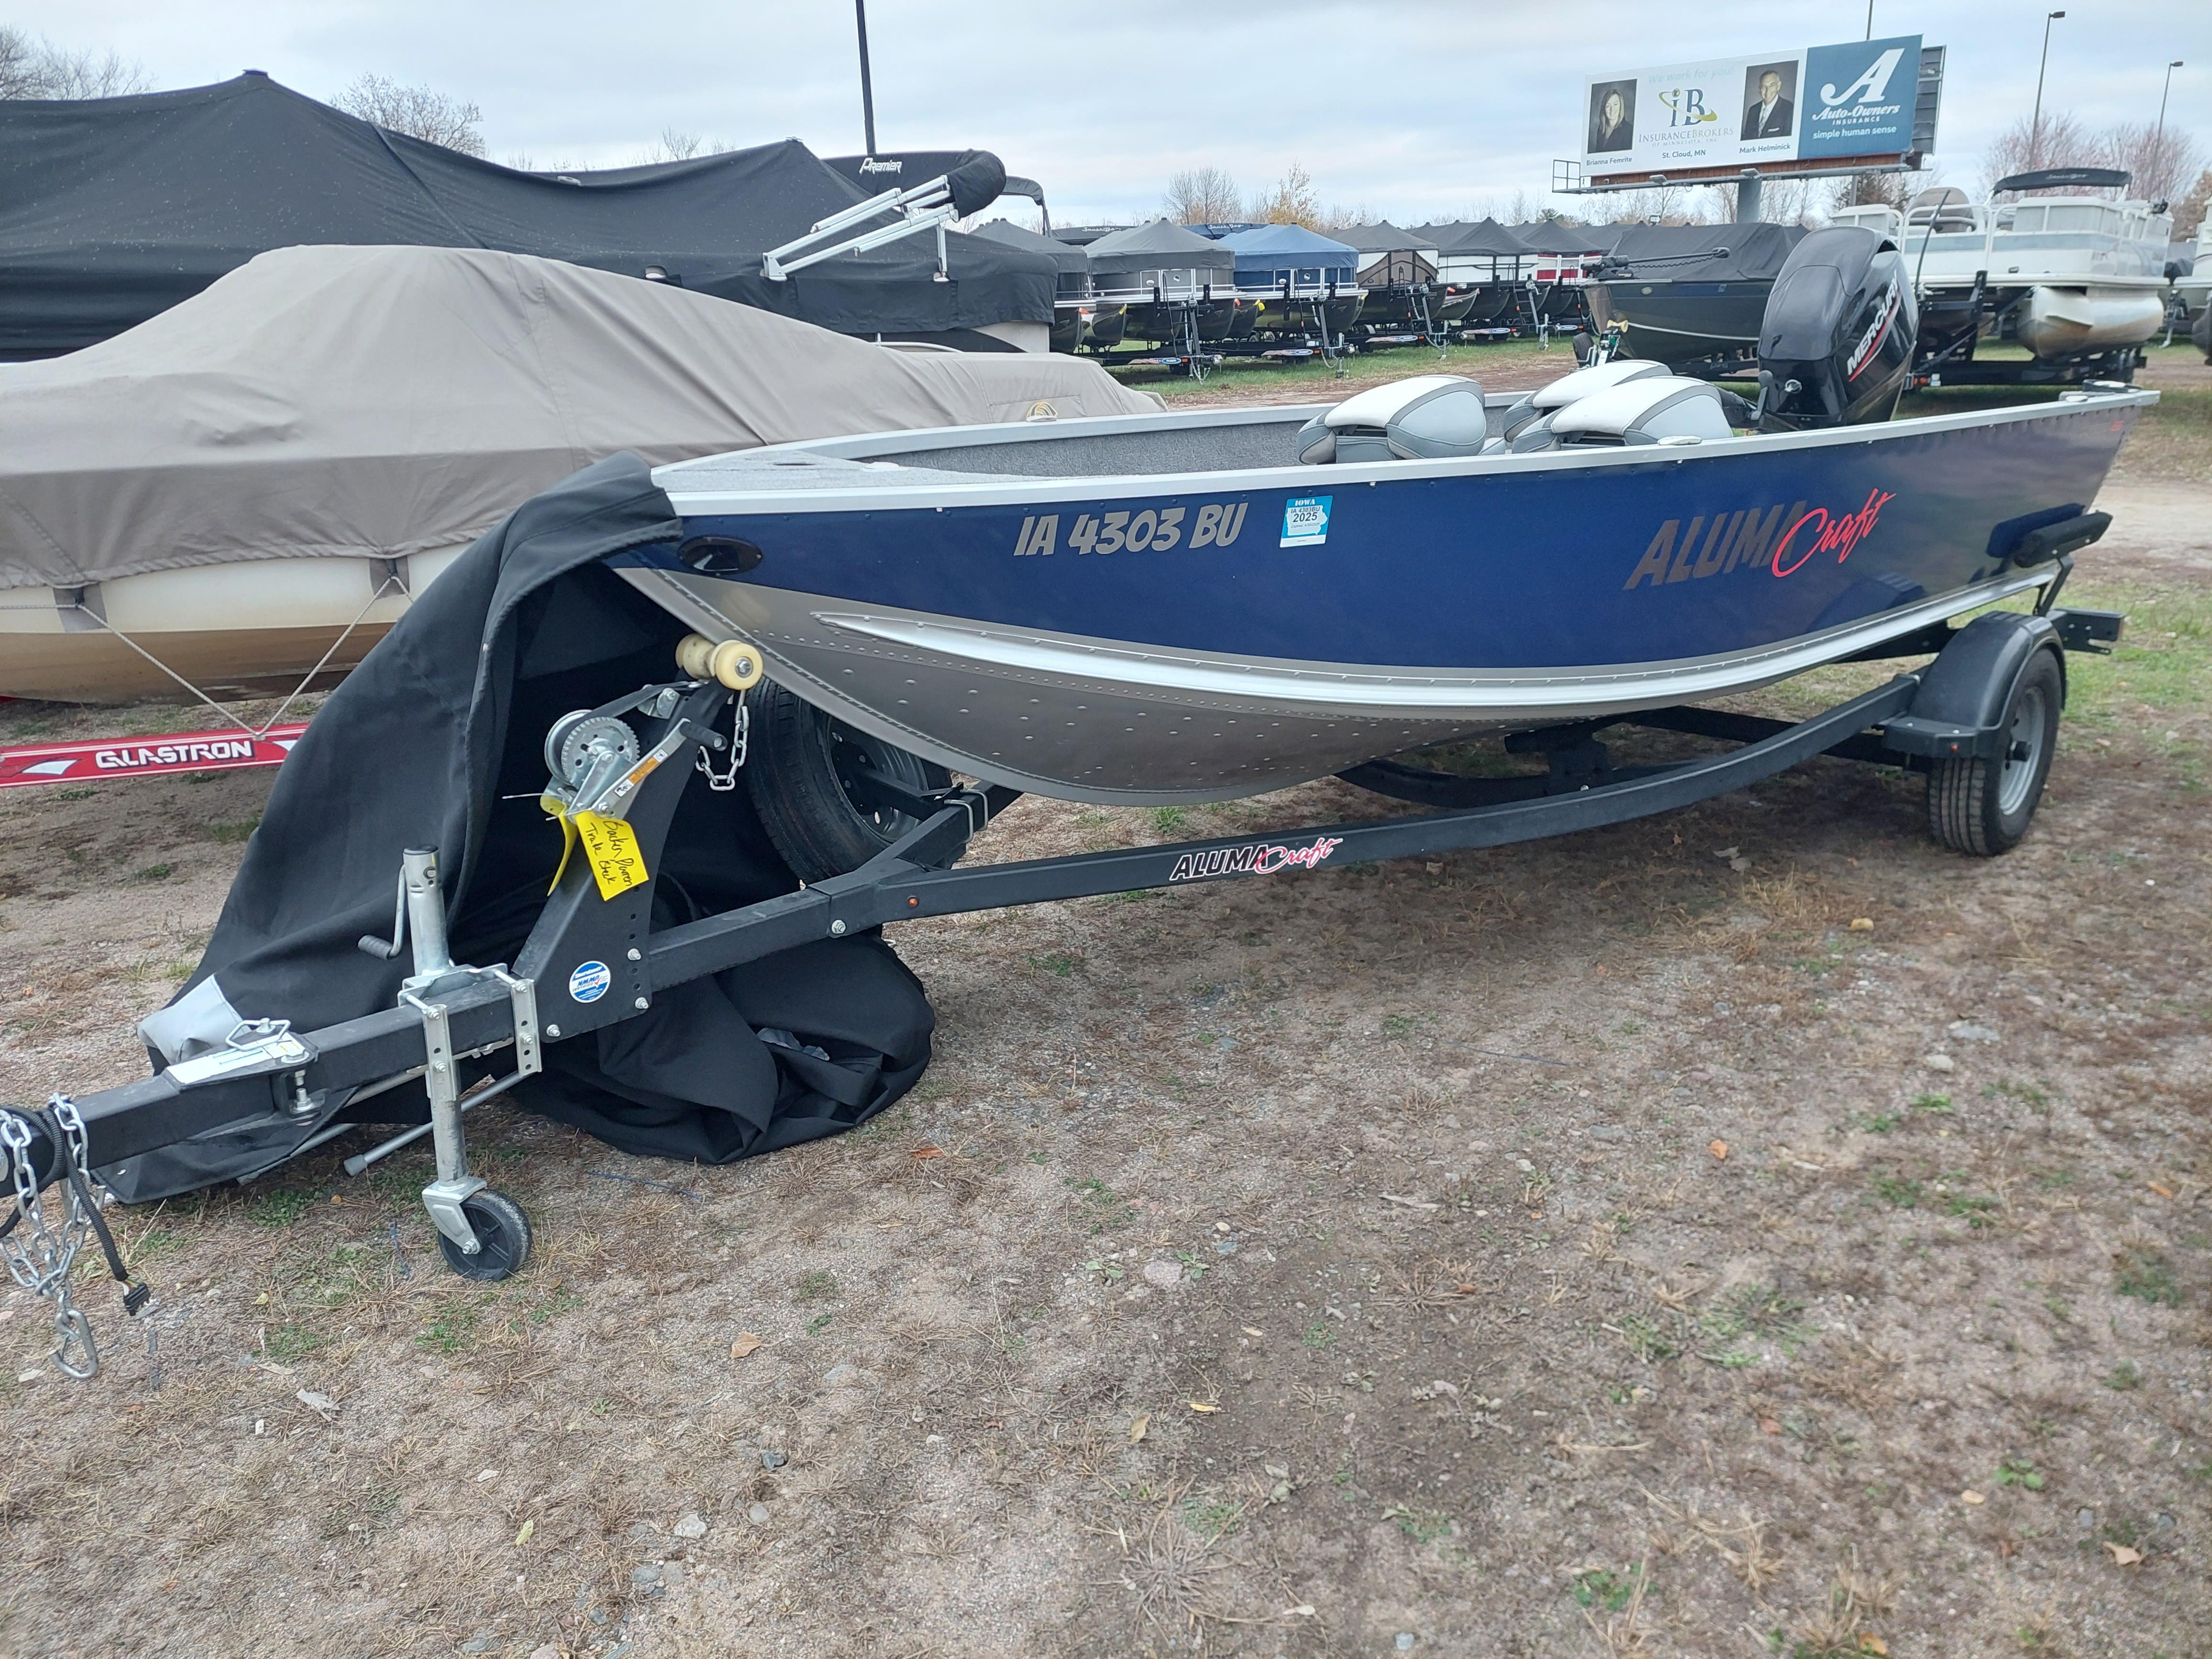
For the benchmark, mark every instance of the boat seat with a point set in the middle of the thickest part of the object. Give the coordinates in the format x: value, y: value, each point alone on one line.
x: 1647, y: 409
x: 1428, y: 417
x: 1580, y: 383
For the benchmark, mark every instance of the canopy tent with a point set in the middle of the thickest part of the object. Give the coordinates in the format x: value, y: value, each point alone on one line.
x: 1268, y: 256
x: 1703, y: 253
x: 112, y: 209
x: 1142, y: 251
x: 382, y: 402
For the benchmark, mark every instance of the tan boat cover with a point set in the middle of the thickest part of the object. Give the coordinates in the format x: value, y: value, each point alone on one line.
x: 376, y: 402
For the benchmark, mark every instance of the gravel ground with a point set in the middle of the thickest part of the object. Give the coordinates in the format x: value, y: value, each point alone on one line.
x: 1753, y: 1230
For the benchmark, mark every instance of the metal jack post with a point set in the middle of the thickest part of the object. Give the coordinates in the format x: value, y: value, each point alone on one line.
x: 481, y: 1233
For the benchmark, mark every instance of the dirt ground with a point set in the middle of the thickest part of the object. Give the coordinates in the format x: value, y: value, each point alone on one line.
x: 1749, y: 1231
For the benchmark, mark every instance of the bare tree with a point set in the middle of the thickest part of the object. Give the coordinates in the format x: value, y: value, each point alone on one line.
x: 2162, y: 163
x: 1292, y: 202
x: 1204, y: 195
x: 38, y: 69
x: 418, y: 112
x: 1871, y: 190
x: 2060, y: 142
x: 2189, y: 211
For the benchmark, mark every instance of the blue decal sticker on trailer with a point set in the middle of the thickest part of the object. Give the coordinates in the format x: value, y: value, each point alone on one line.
x: 590, y: 981
x: 1305, y: 520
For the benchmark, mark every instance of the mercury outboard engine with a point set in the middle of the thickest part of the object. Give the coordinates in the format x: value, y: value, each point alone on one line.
x: 1838, y: 339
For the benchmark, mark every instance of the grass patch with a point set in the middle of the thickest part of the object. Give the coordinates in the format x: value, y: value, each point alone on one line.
x: 1647, y: 1339
x: 1059, y: 964
x: 1211, y: 1517
x: 1105, y: 1207
x: 818, y: 1286
x: 1603, y: 1590
x: 1170, y: 820
x: 2124, y: 1376
x: 2148, y: 1278
x: 1320, y: 1334
x: 280, y: 1208
x: 229, y: 835
x: 154, y: 872
x: 286, y: 1343
x: 1901, y: 1194
x: 1422, y: 1526
x: 453, y: 1331
x: 2019, y: 1472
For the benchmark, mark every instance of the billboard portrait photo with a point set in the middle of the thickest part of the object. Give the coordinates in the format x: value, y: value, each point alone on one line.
x: 1770, y: 100
x: 1612, y: 118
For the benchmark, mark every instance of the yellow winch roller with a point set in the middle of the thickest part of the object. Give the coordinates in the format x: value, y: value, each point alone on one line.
x: 732, y: 662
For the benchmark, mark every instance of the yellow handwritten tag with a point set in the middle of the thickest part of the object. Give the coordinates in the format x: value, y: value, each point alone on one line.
x: 611, y: 846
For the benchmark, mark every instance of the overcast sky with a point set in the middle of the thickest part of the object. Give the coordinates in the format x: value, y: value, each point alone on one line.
x: 1419, y: 109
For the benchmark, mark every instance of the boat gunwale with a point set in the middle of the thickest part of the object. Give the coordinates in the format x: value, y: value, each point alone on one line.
x: 1016, y: 490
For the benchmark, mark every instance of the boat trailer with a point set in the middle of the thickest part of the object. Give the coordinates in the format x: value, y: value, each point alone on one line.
x: 592, y: 958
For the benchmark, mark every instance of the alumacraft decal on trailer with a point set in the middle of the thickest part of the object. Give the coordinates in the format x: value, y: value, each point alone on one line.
x: 1254, y: 858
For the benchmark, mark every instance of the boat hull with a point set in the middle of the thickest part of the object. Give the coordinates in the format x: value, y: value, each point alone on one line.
x: 1443, y: 600
x: 2064, y: 322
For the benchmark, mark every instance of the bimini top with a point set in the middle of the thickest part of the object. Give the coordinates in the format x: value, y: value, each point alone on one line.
x: 378, y: 402
x: 1483, y: 236
x: 1384, y: 237
x: 1268, y: 256
x: 112, y: 209
x: 1558, y: 236
x: 1160, y: 246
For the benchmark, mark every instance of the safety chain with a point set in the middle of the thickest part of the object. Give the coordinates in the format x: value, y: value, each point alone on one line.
x: 40, y: 1256
x: 740, y: 733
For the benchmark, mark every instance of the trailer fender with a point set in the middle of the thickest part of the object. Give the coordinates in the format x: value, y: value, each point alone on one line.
x: 1960, y: 708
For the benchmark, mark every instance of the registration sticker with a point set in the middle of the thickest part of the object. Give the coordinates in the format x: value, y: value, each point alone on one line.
x: 1305, y: 520
x: 590, y: 981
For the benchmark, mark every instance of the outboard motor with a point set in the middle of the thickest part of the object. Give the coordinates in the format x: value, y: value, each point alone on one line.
x: 1837, y: 343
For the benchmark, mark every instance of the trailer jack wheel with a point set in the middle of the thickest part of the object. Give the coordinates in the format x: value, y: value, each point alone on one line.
x: 502, y: 1235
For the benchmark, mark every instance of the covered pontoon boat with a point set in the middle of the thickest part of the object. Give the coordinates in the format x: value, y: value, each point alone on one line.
x: 1305, y: 285
x: 1398, y: 272
x: 1079, y: 317
x: 1177, y: 288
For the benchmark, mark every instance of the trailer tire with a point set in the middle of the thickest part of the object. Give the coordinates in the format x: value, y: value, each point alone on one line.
x: 501, y: 1229
x: 1983, y: 806
x: 792, y: 775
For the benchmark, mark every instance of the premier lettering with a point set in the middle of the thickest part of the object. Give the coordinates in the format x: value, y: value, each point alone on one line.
x: 1254, y: 858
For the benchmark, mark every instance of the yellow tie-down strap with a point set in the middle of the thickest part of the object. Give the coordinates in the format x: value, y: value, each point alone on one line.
x: 610, y: 844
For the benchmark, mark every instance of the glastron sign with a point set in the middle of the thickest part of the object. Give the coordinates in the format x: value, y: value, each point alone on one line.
x: 1852, y: 100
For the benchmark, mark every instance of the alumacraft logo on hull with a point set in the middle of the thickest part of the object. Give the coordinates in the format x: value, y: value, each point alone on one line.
x: 1254, y: 858
x: 1752, y: 538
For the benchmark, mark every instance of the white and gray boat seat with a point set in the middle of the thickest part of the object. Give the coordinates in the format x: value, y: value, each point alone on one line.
x: 1436, y: 416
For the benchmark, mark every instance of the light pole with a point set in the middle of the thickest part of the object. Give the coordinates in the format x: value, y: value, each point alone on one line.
x: 2158, y: 143
x: 867, y: 92
x: 2035, y: 127
x: 1869, y: 34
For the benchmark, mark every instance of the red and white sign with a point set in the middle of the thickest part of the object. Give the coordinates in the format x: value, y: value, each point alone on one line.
x: 152, y: 756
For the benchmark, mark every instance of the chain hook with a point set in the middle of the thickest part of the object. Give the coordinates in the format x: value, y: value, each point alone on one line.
x: 740, y: 734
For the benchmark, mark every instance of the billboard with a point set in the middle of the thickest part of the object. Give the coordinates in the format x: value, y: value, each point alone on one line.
x: 1844, y: 101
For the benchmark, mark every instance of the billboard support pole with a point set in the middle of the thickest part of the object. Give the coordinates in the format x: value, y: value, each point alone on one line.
x: 1747, y: 198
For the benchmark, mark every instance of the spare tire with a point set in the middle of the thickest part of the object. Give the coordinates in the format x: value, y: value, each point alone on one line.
x: 800, y: 773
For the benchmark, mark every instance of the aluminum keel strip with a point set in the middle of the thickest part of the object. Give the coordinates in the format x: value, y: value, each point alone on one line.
x: 1120, y: 724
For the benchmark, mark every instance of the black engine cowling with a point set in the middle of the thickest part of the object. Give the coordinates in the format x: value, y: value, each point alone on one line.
x: 1838, y: 339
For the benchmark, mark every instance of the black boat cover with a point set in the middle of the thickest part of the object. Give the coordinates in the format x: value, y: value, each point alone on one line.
x: 112, y: 209
x: 1704, y: 253
x: 1483, y: 236
x: 1384, y: 237
x: 1070, y: 259
x: 1161, y: 246
x: 435, y: 741
x: 1558, y: 236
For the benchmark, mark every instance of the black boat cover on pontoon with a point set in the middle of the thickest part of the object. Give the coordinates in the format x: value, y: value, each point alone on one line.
x: 113, y: 209
x: 1704, y: 253
x: 436, y: 741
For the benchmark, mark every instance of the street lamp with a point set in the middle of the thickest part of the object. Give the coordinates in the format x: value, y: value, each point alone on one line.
x: 2158, y: 143
x: 2035, y: 127
x: 867, y: 92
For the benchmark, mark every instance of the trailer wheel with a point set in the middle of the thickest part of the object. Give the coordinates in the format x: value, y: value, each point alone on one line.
x: 1984, y: 805
x: 501, y: 1228
x: 800, y: 776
